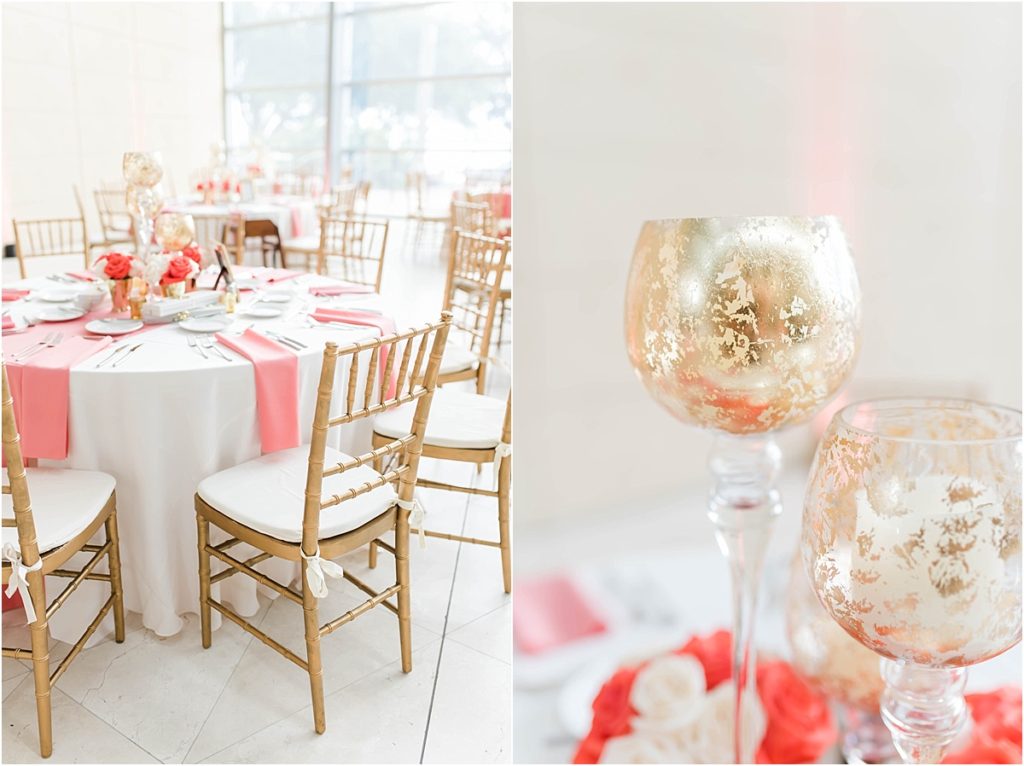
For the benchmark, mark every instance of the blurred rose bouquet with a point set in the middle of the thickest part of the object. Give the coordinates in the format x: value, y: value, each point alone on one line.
x: 995, y: 729
x: 678, y: 708
x: 178, y: 269
x: 116, y: 266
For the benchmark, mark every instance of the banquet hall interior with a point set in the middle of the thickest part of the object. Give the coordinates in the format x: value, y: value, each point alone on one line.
x: 197, y: 197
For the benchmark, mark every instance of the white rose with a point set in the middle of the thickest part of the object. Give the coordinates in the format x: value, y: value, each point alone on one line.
x: 643, y: 747
x: 667, y: 693
x: 155, y: 267
x: 709, y: 738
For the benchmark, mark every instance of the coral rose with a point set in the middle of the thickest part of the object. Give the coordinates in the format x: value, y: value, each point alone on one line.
x: 714, y: 652
x: 179, y: 269
x: 612, y: 713
x: 116, y: 266
x: 800, y: 723
x: 996, y: 733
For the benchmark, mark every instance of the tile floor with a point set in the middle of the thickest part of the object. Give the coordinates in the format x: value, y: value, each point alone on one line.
x: 155, y: 699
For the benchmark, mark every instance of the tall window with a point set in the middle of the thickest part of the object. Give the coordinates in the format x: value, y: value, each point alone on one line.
x: 377, y: 88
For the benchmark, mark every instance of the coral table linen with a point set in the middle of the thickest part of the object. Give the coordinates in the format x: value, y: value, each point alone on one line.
x: 277, y: 387
x: 40, y: 389
x: 386, y: 325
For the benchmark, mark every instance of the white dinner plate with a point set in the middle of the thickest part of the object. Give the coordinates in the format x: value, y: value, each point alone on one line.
x: 59, y: 313
x: 276, y: 297
x: 113, y: 326
x: 205, y: 324
x: 263, y: 310
x: 247, y: 283
x: 56, y: 296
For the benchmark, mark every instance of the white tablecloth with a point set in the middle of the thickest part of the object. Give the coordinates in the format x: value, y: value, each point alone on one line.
x: 159, y: 423
x: 285, y: 212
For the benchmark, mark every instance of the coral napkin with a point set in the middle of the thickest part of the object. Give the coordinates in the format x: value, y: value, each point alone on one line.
x: 277, y: 387
x: 40, y: 389
x: 8, y: 323
x: 10, y: 294
x: 269, y: 276
x: 386, y: 325
x: 85, y: 276
x: 550, y: 612
x: 296, y: 222
x: 345, y: 289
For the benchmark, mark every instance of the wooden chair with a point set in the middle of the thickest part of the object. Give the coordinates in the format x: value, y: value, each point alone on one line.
x: 69, y: 508
x: 476, y: 264
x: 223, y: 227
x: 241, y: 232
x: 52, y: 236
x: 116, y: 228
x: 357, y: 245
x: 472, y: 216
x: 465, y: 428
x: 340, y: 203
x: 258, y: 501
x: 415, y: 193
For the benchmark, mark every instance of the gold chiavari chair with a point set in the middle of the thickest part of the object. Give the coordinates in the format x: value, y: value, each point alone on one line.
x: 416, y: 192
x: 339, y: 203
x: 357, y: 245
x: 46, y: 237
x: 116, y: 229
x: 115, y: 220
x: 41, y: 534
x: 258, y: 502
x: 226, y: 227
x: 476, y: 264
x: 465, y: 428
x: 472, y: 216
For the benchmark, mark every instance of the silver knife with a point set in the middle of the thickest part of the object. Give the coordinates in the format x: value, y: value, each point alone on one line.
x: 286, y: 339
x: 125, y: 356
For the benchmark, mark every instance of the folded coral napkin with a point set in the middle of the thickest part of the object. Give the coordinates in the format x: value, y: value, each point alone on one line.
x: 386, y: 325
x: 40, y: 389
x: 277, y: 387
x: 550, y: 612
x: 8, y: 323
x: 345, y: 289
x: 10, y: 294
x: 85, y: 276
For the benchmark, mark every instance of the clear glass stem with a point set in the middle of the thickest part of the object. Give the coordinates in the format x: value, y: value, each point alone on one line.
x: 865, y: 738
x: 143, y: 236
x: 923, y: 708
x: 743, y: 506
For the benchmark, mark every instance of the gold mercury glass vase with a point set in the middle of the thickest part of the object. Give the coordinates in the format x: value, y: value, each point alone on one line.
x: 743, y: 326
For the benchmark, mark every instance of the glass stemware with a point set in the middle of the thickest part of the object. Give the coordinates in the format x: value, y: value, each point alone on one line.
x: 174, y: 231
x: 142, y: 172
x: 742, y: 326
x: 911, y: 539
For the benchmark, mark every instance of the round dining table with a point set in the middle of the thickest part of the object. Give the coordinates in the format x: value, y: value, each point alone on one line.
x: 293, y: 216
x: 165, y: 418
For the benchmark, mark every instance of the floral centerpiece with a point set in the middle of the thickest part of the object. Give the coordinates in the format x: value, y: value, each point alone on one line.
x: 994, y: 734
x: 178, y: 270
x: 118, y: 269
x: 678, y: 708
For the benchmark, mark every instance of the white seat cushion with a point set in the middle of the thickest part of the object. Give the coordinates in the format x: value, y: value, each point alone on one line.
x: 309, y: 244
x: 64, y: 502
x: 457, y: 358
x: 267, y: 494
x: 457, y: 419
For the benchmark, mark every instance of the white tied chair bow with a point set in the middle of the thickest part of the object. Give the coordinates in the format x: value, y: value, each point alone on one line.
x: 317, y: 568
x: 416, y: 516
x: 502, y: 451
x: 19, y: 579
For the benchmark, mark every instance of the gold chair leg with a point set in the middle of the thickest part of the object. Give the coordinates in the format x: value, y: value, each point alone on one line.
x: 203, y: 527
x: 316, y: 674
x: 373, y: 554
x: 402, y: 578
x: 40, y: 635
x: 114, y: 565
x: 504, y: 485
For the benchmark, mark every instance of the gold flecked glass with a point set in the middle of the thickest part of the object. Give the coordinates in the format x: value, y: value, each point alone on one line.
x: 142, y: 168
x: 912, y: 542
x: 743, y: 325
x: 174, y: 231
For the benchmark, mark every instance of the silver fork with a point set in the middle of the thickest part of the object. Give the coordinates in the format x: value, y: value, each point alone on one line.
x: 208, y: 343
x: 194, y: 345
x: 54, y: 341
x: 19, y: 354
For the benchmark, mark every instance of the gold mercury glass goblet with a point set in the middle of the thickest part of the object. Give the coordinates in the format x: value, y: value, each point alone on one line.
x: 743, y: 326
x: 174, y: 231
x: 911, y: 539
x: 142, y: 172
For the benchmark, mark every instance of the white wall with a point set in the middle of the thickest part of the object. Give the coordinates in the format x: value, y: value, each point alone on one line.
x: 905, y: 120
x: 83, y: 82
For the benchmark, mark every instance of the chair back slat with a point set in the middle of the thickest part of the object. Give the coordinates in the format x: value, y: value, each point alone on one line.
x: 49, y: 237
x: 472, y: 216
x: 476, y: 264
x: 115, y: 220
x: 410, y: 446
x: 17, y: 481
x: 358, y: 245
